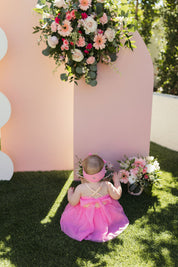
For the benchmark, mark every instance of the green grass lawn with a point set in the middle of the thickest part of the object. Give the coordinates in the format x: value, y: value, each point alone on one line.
x: 31, y: 205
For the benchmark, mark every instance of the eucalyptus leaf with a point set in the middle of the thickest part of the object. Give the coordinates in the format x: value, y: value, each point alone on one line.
x: 92, y: 74
x: 113, y: 57
x: 47, y: 51
x: 79, y: 70
x: 64, y: 77
x: 93, y: 67
x: 93, y: 82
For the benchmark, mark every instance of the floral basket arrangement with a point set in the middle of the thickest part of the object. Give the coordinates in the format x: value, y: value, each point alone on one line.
x: 108, y: 166
x: 81, y: 33
x: 140, y: 173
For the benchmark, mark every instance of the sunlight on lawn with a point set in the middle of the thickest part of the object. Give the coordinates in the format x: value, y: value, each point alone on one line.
x: 58, y: 201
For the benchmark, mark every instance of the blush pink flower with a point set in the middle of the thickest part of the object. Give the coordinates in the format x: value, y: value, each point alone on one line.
x: 73, y: 13
x: 81, y: 41
x: 64, y: 47
x: 144, y: 170
x: 53, y: 26
x: 139, y: 163
x: 134, y: 171
x: 65, y: 29
x: 123, y: 176
x: 104, y: 19
x: 90, y: 60
x: 99, y: 41
x: 68, y: 15
x: 65, y: 42
x: 84, y: 4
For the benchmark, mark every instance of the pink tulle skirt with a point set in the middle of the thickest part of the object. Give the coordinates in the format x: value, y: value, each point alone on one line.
x: 98, y: 220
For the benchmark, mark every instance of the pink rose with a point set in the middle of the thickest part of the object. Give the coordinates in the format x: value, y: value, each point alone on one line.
x: 104, y: 19
x: 90, y: 60
x: 145, y: 170
x: 53, y: 26
x: 72, y: 13
x: 139, y: 163
x: 68, y: 15
x: 65, y: 45
x: 86, y: 51
x: 81, y: 42
x: 65, y: 42
x: 146, y: 176
x: 134, y: 171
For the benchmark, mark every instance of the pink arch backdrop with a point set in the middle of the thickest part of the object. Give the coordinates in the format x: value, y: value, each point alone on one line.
x: 53, y: 121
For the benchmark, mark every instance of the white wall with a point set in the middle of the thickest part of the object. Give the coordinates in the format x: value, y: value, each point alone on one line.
x: 164, y: 126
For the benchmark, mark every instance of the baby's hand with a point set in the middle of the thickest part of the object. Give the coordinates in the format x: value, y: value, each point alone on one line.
x: 116, y: 178
x: 70, y: 191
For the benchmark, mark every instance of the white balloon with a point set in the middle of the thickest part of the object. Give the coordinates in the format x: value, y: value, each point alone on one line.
x: 3, y: 44
x: 6, y: 167
x: 5, y: 109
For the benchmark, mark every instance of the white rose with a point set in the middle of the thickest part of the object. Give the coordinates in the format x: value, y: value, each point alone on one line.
x: 132, y: 178
x: 77, y: 55
x: 150, y: 168
x: 149, y: 158
x: 52, y: 41
x: 110, y: 34
x: 59, y: 3
x: 156, y: 165
x: 90, y: 25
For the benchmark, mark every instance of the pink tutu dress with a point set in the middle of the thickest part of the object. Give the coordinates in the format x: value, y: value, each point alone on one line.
x: 95, y: 219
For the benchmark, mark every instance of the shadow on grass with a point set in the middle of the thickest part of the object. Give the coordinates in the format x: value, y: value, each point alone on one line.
x: 167, y: 158
x: 160, y: 244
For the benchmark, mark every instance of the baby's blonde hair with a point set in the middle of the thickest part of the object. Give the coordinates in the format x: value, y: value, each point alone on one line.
x: 93, y: 164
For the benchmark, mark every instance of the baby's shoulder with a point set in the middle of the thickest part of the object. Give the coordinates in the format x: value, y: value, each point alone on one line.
x: 80, y: 187
x: 109, y: 184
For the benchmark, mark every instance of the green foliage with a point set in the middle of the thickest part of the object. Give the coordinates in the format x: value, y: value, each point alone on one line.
x: 167, y: 64
x: 149, y: 13
x: 144, y: 12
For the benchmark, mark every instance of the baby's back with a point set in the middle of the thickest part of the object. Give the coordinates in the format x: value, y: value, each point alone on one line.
x: 94, y: 190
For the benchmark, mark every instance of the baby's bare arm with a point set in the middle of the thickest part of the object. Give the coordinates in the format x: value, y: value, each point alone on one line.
x: 74, y: 195
x: 116, y: 190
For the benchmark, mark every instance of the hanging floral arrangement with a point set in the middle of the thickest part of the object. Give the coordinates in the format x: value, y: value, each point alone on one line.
x: 81, y: 33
